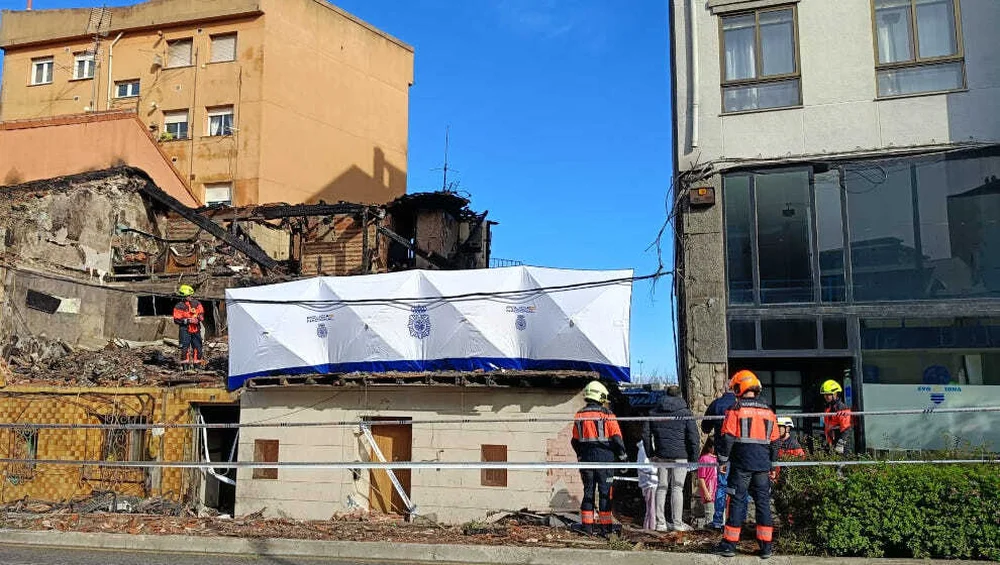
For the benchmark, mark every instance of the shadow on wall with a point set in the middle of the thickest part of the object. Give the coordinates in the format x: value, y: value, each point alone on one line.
x: 385, y: 184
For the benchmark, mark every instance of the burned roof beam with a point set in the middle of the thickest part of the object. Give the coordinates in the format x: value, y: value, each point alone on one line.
x: 431, y: 257
x: 295, y: 211
x: 251, y: 250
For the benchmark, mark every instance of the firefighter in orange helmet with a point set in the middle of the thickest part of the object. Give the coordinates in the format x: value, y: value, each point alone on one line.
x: 749, y: 444
x: 597, y: 438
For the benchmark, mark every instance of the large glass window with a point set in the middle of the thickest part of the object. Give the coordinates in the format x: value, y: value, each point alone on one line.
x: 830, y: 227
x: 884, y: 253
x: 739, y: 239
x: 919, y: 46
x: 760, y: 67
x: 783, y: 236
x: 919, y: 228
x: 931, y: 351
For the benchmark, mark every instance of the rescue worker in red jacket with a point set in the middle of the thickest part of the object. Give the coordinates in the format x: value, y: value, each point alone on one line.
x: 788, y: 446
x: 597, y: 438
x: 838, y: 423
x: 188, y: 315
x: 749, y: 443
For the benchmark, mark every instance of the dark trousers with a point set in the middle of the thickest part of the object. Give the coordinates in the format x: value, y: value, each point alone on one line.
x: 758, y: 483
x: 601, y: 480
x: 190, y: 341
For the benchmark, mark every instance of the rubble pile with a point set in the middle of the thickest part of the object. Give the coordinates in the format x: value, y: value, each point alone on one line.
x: 513, y: 529
x: 40, y: 360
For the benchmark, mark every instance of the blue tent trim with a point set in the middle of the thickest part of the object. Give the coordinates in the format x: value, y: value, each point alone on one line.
x: 611, y: 372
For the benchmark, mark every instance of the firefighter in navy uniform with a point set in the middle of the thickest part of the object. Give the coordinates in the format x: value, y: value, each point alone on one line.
x: 597, y: 438
x: 749, y: 443
x: 188, y: 315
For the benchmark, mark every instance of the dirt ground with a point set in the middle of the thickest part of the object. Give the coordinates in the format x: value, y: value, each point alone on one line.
x: 511, y: 531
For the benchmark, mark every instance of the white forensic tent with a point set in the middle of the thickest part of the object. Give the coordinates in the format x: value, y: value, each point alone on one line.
x: 516, y: 318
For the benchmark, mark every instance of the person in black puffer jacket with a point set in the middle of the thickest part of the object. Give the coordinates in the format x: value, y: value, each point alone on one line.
x: 674, y: 441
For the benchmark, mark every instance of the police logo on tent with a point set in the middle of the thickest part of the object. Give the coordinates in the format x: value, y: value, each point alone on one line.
x: 521, y: 323
x: 321, y: 331
x: 419, y: 323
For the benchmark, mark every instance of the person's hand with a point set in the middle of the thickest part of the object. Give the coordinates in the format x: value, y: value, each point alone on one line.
x: 773, y: 474
x: 724, y: 468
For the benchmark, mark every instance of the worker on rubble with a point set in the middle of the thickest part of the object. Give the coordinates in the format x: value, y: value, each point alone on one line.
x: 188, y: 315
x: 597, y: 438
x: 838, y: 422
x: 750, y: 445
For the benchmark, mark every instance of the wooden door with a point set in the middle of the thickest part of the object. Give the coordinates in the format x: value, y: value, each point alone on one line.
x: 396, y: 444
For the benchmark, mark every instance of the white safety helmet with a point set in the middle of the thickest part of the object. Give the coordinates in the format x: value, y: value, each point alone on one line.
x: 786, y: 421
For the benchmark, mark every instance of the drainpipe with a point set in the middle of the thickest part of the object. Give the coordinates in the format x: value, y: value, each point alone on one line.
x: 111, y: 62
x: 695, y: 96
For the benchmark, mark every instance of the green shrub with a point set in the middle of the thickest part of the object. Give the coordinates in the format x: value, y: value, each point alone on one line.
x: 912, y: 510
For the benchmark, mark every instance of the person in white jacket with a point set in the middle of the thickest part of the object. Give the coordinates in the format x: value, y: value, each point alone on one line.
x: 647, y: 483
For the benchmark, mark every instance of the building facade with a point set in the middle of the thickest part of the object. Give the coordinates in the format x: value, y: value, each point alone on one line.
x: 252, y: 101
x: 838, y: 206
x: 451, y: 496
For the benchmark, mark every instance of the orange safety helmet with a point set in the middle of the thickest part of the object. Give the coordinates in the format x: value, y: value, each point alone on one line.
x: 744, y: 381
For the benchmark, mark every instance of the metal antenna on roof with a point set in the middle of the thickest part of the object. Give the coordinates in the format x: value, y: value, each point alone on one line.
x: 98, y: 26
x: 447, y: 135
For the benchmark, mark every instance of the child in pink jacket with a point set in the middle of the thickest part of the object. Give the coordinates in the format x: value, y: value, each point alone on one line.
x: 708, y: 479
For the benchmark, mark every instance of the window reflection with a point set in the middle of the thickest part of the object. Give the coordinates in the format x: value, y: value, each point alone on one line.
x: 784, y: 244
x: 739, y: 239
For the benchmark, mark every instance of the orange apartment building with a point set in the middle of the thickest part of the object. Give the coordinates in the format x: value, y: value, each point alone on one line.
x: 251, y: 101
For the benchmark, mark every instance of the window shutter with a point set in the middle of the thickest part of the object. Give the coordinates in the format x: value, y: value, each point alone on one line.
x: 224, y: 48
x: 179, y: 53
x: 493, y: 477
x: 265, y: 451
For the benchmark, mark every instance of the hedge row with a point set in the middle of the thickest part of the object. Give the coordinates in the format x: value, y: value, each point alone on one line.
x: 914, y: 510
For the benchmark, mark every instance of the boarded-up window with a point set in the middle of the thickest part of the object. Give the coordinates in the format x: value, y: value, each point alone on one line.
x: 179, y: 53
x: 223, y: 48
x: 265, y: 451
x: 494, y: 477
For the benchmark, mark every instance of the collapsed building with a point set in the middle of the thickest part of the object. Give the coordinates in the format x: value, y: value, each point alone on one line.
x: 89, y: 264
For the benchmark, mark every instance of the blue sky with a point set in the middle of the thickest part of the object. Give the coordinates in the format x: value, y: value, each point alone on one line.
x: 560, y: 126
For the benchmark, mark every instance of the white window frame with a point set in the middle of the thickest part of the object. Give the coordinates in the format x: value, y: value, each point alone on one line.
x: 130, y: 93
x: 190, y: 61
x: 90, y: 66
x: 218, y: 112
x: 44, y: 63
x: 227, y: 186
x: 174, y: 117
x: 215, y: 55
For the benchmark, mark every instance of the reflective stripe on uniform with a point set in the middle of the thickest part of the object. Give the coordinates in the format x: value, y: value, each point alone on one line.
x: 731, y: 533
x: 765, y: 533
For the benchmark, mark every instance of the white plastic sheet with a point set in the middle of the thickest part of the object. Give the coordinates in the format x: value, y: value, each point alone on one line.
x: 517, y: 318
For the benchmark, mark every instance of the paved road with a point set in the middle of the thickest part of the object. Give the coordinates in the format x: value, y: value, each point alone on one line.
x: 27, y: 555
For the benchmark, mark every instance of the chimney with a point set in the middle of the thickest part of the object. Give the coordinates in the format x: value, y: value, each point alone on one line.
x: 29, y: 4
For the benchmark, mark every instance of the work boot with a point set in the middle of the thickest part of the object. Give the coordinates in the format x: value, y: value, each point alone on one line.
x: 766, y: 550
x: 725, y: 549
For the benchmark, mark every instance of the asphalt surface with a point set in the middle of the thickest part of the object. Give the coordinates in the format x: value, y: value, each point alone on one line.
x: 28, y: 555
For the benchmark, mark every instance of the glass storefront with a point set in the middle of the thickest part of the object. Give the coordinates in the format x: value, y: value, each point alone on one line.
x: 844, y: 270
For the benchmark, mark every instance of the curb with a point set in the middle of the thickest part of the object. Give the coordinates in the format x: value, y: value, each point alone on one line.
x: 402, y: 552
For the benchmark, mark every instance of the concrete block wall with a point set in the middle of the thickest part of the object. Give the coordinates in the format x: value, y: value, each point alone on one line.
x: 453, y: 496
